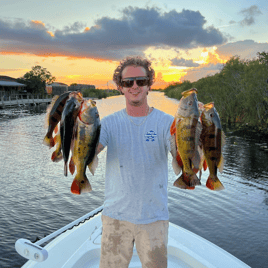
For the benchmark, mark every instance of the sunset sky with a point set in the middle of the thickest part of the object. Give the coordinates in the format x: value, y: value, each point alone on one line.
x: 82, y: 41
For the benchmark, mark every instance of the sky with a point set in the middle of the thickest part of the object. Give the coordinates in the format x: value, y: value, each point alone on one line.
x: 82, y: 42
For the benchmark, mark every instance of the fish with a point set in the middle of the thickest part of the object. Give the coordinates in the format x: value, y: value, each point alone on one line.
x: 213, y: 139
x: 57, y: 154
x: 67, y: 123
x: 187, y: 130
x: 53, y: 116
x: 86, y: 142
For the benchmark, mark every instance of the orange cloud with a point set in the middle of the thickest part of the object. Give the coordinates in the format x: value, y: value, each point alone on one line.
x: 38, y: 22
x: 11, y: 53
x: 51, y: 34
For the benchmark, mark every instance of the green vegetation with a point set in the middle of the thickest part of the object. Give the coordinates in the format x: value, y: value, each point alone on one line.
x: 98, y: 93
x: 239, y: 91
x: 36, y: 79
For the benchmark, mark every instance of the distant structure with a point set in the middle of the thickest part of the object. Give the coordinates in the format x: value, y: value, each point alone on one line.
x: 79, y: 87
x: 57, y: 88
x: 9, y: 86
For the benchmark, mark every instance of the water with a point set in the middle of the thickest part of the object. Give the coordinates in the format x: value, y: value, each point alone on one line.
x: 36, y: 199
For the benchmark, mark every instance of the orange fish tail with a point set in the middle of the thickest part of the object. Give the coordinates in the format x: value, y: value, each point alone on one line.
x: 214, y: 184
x: 79, y: 187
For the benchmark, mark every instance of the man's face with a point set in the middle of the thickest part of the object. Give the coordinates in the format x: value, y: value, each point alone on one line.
x: 135, y: 94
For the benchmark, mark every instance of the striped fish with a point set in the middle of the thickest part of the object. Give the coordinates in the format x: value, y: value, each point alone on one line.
x: 85, y: 145
x: 67, y: 123
x: 212, y: 138
x: 53, y: 116
x: 187, y: 129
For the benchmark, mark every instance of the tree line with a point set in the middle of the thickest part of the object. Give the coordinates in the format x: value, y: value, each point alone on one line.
x: 36, y: 80
x: 239, y: 91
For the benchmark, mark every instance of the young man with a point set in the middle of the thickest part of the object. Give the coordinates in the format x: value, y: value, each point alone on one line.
x: 137, y: 140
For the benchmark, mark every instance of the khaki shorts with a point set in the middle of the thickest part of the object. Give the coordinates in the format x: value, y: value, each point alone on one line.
x: 118, y: 239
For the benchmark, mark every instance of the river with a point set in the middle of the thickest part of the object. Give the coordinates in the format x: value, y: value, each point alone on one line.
x: 36, y: 199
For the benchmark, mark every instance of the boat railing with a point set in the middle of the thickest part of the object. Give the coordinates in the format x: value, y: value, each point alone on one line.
x: 34, y: 251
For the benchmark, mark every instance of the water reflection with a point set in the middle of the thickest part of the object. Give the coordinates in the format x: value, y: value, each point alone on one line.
x: 248, y: 160
x: 20, y: 111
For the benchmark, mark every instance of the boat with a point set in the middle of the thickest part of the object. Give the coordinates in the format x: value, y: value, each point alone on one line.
x: 78, y: 245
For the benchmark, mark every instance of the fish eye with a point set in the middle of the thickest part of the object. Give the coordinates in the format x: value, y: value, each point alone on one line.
x: 211, y: 115
x: 190, y: 103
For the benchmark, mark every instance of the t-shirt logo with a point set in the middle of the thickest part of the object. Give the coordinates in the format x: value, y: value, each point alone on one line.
x: 150, y: 136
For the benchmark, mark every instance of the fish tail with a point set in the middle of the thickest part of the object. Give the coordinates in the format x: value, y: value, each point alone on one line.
x: 181, y: 183
x: 56, y: 156
x: 49, y: 142
x: 191, y: 180
x: 80, y: 186
x: 214, y: 184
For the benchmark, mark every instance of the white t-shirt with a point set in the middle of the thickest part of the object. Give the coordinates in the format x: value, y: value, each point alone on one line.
x: 136, y: 166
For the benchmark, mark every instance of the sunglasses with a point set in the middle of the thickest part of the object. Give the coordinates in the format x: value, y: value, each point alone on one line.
x: 140, y: 81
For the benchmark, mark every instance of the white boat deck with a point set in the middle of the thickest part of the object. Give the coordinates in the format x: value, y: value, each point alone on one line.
x: 80, y: 247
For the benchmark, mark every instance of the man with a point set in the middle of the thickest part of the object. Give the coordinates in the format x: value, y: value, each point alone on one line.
x: 137, y: 140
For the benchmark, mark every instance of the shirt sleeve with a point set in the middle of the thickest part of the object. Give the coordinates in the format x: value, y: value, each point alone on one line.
x: 168, y: 138
x: 104, y: 137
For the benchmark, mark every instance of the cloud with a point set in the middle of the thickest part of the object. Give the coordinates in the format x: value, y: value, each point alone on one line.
x: 214, y: 62
x: 184, y: 62
x: 202, y: 71
x: 249, y: 15
x: 246, y: 49
x: 110, y: 38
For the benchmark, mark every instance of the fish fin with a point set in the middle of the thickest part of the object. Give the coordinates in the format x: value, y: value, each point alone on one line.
x: 176, y: 167
x: 178, y: 158
x: 65, y: 170
x: 173, y: 146
x: 72, y: 166
x: 173, y: 128
x: 208, y: 106
x: 200, y: 174
x: 49, y: 107
x: 214, y: 184
x: 205, y: 165
x: 93, y: 165
x: 80, y: 186
x: 221, y: 164
x: 188, y: 92
x: 196, y: 159
x: 56, y: 157
x: 49, y: 142
x: 195, y: 170
x: 55, y: 139
x: 56, y: 129
x: 180, y: 183
x: 223, y: 138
